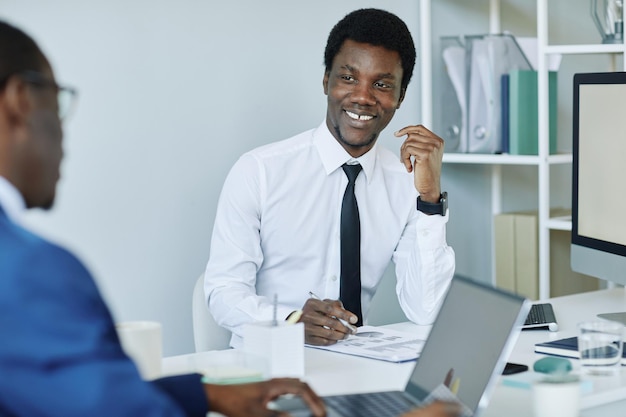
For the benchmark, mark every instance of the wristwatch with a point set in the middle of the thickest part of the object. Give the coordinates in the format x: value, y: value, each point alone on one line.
x: 434, y: 208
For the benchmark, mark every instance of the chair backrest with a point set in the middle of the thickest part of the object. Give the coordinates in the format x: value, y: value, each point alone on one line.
x: 207, y: 334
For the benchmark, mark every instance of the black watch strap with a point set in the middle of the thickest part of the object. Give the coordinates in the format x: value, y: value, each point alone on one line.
x: 434, y: 208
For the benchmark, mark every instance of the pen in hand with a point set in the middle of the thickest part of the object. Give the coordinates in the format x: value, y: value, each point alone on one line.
x: 352, y: 328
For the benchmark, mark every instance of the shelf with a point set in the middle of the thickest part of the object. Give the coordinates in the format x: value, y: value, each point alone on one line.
x: 614, y: 48
x: 542, y: 163
x: 560, y: 223
x: 503, y: 159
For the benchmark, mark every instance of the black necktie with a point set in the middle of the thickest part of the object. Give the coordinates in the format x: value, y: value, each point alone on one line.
x: 350, y: 290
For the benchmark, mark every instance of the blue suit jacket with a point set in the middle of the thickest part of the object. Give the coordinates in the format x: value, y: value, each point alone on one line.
x: 59, y: 352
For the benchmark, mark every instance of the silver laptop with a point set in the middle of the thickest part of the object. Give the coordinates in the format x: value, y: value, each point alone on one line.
x: 461, y: 361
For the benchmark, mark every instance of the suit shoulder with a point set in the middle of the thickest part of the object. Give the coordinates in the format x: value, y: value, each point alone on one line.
x: 22, y: 249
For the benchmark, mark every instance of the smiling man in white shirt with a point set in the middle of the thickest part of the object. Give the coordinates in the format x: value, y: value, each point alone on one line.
x: 277, y: 227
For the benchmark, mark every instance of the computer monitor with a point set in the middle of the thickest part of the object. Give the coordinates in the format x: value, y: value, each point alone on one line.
x: 599, y: 172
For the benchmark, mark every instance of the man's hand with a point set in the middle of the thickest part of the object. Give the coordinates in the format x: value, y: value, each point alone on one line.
x: 321, y: 322
x: 247, y: 400
x: 422, y: 153
x: 436, y: 409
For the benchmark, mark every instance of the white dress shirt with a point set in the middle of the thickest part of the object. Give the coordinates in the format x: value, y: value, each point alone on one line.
x: 11, y: 200
x: 277, y: 232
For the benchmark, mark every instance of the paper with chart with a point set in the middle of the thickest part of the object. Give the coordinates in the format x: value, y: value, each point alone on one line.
x: 380, y: 343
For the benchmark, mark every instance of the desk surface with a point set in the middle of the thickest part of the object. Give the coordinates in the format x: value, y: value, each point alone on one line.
x: 569, y: 310
x: 332, y: 373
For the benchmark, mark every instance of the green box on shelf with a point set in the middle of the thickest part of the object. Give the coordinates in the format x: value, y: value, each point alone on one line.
x: 523, y: 123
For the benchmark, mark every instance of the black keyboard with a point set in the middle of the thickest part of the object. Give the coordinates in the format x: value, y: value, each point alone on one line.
x: 541, y: 316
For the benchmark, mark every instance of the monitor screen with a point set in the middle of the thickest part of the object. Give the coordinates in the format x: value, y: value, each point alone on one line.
x: 599, y: 172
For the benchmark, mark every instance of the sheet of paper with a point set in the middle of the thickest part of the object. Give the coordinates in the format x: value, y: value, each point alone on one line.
x: 380, y: 343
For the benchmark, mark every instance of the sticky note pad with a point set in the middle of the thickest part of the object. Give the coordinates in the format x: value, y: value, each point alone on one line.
x: 233, y: 374
x: 527, y: 379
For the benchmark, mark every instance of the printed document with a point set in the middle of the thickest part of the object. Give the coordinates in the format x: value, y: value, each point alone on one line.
x: 380, y: 343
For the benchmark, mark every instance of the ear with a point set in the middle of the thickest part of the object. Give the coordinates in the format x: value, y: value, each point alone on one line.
x: 325, y: 82
x: 401, y: 99
x: 16, y: 100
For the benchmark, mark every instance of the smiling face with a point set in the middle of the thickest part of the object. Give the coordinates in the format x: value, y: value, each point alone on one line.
x: 363, y: 89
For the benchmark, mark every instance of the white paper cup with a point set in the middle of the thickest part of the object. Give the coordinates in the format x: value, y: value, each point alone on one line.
x: 600, y: 347
x: 142, y: 341
x: 556, y: 398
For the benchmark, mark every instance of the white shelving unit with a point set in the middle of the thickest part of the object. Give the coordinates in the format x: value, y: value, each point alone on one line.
x: 543, y: 161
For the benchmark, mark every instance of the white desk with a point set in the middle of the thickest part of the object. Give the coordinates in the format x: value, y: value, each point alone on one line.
x: 332, y: 373
x: 569, y: 310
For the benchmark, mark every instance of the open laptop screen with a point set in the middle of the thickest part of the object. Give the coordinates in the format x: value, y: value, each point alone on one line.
x: 470, y: 341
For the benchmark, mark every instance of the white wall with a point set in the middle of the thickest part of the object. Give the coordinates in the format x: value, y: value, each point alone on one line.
x: 171, y: 93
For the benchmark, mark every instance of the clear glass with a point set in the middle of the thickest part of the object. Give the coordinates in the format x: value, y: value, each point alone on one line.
x: 600, y: 347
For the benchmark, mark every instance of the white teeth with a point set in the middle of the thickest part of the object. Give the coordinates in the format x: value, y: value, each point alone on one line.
x: 357, y: 117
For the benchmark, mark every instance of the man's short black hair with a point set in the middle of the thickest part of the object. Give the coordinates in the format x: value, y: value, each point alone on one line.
x: 376, y: 27
x: 18, y: 53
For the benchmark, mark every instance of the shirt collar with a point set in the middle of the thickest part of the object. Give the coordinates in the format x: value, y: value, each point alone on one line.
x: 11, y: 200
x: 333, y: 155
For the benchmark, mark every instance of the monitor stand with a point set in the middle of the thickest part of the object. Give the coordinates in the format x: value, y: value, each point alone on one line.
x: 619, y: 317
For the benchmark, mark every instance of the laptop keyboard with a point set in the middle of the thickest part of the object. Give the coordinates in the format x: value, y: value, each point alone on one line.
x: 376, y: 404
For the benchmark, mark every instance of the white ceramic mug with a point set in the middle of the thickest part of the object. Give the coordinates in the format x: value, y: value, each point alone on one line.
x: 142, y: 341
x: 557, y: 398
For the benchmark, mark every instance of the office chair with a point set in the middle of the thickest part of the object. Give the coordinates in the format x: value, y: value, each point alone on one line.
x: 207, y: 334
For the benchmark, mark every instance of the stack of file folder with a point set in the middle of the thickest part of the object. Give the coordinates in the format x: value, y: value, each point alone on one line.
x: 489, y: 97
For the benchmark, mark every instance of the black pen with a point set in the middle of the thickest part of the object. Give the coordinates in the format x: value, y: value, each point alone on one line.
x: 342, y: 321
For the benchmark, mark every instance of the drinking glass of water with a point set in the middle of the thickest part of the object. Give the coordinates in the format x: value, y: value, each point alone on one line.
x: 600, y: 347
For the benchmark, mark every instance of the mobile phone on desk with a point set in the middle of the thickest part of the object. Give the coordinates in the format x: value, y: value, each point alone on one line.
x: 514, y: 368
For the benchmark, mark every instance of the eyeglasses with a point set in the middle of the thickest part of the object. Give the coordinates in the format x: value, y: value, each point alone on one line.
x: 66, y: 96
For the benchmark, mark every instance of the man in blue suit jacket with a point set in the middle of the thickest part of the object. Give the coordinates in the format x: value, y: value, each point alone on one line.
x: 59, y: 352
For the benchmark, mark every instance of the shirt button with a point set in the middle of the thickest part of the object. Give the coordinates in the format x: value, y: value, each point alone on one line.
x: 333, y: 278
